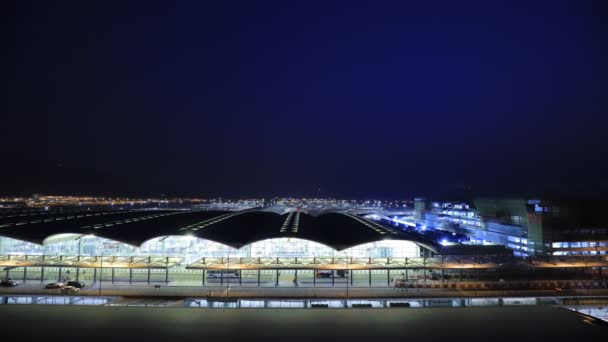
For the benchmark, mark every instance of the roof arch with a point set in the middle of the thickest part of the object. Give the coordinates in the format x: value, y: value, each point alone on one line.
x: 160, y: 238
x: 61, y: 237
x: 338, y: 230
x: 398, y: 249
x: 294, y: 243
x: 21, y: 241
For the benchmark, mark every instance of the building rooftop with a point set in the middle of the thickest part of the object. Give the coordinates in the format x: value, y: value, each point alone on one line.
x: 233, y: 228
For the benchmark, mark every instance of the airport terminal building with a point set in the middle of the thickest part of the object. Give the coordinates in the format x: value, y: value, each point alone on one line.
x: 256, y: 246
x: 195, y: 234
x: 194, y: 240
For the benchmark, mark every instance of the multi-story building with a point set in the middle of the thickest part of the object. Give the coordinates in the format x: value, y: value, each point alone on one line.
x: 528, y: 227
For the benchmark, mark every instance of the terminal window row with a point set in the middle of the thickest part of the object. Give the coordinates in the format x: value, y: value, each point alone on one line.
x: 577, y: 244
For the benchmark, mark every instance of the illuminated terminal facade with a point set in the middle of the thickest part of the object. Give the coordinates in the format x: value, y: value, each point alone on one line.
x: 260, y: 245
x: 528, y: 227
x: 192, y: 248
x: 194, y: 234
x: 49, y: 244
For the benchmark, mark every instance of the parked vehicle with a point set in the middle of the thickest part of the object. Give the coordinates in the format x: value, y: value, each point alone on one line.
x: 341, y: 273
x: 76, y: 284
x: 70, y: 290
x: 324, y: 274
x: 437, y: 276
x: 330, y: 273
x: 403, y: 283
x: 55, y: 285
x: 223, y: 274
x: 9, y: 283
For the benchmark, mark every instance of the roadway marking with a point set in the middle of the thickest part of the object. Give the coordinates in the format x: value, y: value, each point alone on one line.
x: 373, y: 225
x: 296, y: 223
x: 286, y: 223
x: 212, y: 221
x: 130, y: 220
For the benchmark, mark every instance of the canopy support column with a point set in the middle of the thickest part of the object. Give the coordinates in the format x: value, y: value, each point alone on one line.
x: 167, y: 270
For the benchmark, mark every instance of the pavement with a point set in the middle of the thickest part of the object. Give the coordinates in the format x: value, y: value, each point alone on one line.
x: 235, y: 291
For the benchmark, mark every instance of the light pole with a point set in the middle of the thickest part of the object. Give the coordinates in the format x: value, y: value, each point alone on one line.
x: 227, y: 272
x: 100, y: 273
x: 347, y: 278
x: 101, y: 270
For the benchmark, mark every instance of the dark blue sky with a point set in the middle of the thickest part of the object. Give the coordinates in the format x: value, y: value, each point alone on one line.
x: 347, y: 99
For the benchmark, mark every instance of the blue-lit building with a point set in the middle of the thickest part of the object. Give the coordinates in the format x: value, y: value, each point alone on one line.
x: 527, y: 227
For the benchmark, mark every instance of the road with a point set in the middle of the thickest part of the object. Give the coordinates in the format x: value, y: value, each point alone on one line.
x: 252, y: 291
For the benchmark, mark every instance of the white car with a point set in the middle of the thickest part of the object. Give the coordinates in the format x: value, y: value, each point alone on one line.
x: 55, y: 285
x: 70, y: 290
x: 222, y: 274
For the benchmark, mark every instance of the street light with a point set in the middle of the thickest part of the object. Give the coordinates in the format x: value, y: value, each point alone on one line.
x: 101, y: 270
x: 347, y: 279
x: 227, y: 272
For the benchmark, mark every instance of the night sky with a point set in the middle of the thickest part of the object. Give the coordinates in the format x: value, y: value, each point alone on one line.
x: 350, y: 99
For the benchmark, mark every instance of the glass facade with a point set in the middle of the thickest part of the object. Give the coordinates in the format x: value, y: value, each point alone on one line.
x: 192, y: 248
x: 579, y: 248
